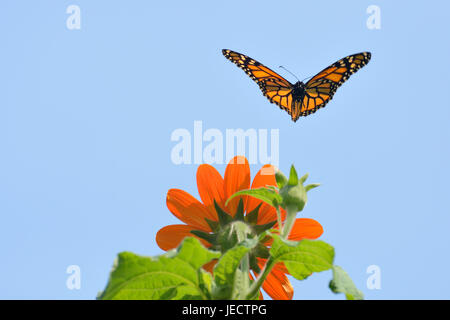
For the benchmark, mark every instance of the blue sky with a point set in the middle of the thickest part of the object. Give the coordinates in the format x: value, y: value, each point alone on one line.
x: 86, y: 118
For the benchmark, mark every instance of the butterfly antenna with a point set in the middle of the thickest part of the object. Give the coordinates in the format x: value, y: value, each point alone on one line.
x: 307, y: 78
x: 290, y: 72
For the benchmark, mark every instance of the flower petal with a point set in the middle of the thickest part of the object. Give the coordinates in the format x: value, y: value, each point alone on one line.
x: 281, y: 267
x: 188, y: 209
x: 237, y: 177
x: 264, y: 177
x: 171, y: 236
x: 210, y: 187
x: 267, y: 214
x: 305, y: 228
x: 277, y: 285
x: 209, y: 266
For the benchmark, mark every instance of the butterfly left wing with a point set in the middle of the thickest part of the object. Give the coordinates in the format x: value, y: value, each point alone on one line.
x: 277, y: 89
x: 320, y: 89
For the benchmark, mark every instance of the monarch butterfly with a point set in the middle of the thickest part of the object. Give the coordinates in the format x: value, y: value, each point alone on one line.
x: 299, y: 99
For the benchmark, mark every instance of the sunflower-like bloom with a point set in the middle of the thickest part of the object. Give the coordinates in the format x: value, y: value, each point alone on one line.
x: 205, y: 219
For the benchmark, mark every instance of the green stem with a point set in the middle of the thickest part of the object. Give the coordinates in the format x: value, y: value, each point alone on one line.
x: 290, y: 219
x: 245, y: 267
x: 260, y: 280
x: 280, y: 224
x: 289, y: 223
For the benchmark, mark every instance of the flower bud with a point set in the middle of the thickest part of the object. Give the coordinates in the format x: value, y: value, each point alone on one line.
x: 294, y: 193
x: 294, y: 196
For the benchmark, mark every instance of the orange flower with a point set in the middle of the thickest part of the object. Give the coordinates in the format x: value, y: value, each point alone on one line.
x: 201, y: 218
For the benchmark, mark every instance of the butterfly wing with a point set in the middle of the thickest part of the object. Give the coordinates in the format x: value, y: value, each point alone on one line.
x: 320, y: 89
x: 277, y: 89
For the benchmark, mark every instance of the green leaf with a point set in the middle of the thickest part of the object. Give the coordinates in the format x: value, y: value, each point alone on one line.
x: 224, y: 218
x: 205, y: 282
x: 267, y: 195
x: 173, y: 275
x: 280, y: 178
x: 293, y: 177
x: 214, y: 225
x: 342, y: 283
x: 252, y: 217
x: 311, y: 186
x: 210, y: 237
x: 259, y: 228
x: 303, y: 179
x: 227, y: 268
x: 240, y: 211
x: 304, y: 257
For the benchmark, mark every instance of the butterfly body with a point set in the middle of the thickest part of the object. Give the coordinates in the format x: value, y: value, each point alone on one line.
x: 299, y: 99
x: 298, y: 90
x: 298, y: 93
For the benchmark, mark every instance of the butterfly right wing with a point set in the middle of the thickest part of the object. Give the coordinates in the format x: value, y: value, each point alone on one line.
x: 321, y: 88
x: 277, y: 89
